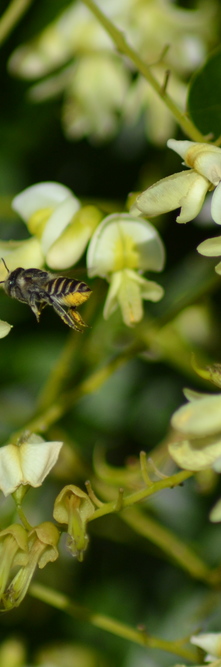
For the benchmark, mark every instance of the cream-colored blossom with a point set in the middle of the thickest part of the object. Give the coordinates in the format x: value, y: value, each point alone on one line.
x: 122, y: 247
x: 187, y: 189
x: 211, y: 248
x: 76, y: 39
x: 26, y: 463
x: 27, y: 253
x: 62, y: 228
x: 197, y: 440
x: 210, y: 642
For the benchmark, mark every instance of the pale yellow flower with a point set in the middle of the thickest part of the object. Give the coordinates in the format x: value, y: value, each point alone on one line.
x: 187, y: 189
x: 121, y: 249
x: 211, y: 642
x: 26, y: 463
x: 96, y: 82
x: 197, y: 438
x: 62, y: 228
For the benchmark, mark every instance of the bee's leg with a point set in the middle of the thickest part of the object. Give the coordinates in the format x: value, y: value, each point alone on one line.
x: 80, y: 325
x: 36, y: 306
x: 71, y: 317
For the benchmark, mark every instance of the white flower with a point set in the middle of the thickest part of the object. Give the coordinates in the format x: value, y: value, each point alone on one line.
x: 197, y: 438
x: 27, y: 462
x: 121, y: 246
x: 54, y: 215
x: 76, y: 39
x: 211, y: 642
x: 20, y: 253
x: 187, y: 189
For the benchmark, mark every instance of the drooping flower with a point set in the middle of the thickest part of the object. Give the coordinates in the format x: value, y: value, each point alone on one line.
x: 61, y: 227
x: 74, y: 507
x: 42, y: 548
x: 122, y: 248
x: 26, y: 463
x: 187, y: 189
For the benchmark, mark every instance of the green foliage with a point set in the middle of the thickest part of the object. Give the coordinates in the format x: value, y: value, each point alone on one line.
x: 204, y: 97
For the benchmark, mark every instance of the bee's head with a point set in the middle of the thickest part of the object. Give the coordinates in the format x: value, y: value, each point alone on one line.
x: 11, y: 280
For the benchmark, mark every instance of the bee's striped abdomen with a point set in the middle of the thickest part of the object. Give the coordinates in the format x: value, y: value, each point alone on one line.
x: 68, y: 291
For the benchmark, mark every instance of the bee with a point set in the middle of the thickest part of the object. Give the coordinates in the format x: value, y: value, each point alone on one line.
x: 40, y: 289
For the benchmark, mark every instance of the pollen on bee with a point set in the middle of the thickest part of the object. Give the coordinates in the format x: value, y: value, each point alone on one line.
x: 76, y: 298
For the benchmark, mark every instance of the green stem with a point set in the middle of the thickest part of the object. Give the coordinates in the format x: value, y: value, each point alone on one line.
x: 22, y: 518
x: 119, y: 40
x: 169, y: 543
x: 12, y: 16
x: 138, y: 496
x: 63, y: 603
x: 42, y: 422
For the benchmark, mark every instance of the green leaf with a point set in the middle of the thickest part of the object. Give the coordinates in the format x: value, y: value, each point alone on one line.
x: 204, y: 99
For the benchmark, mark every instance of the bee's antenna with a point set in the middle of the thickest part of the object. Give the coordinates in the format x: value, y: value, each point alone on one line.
x: 2, y: 258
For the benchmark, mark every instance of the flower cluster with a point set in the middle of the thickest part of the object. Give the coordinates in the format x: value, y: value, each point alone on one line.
x: 121, y: 247
x: 97, y: 87
x: 22, y: 547
x: 22, y: 465
x: 187, y: 189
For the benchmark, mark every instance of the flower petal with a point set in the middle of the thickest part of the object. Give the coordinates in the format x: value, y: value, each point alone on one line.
x: 185, y: 189
x: 10, y: 469
x: 203, y: 158
x: 195, y: 454
x: 215, y: 514
x: 127, y: 289
x: 122, y: 241
x: 28, y: 463
x: 180, y: 147
x: 149, y: 290
x: 111, y: 302
x: 216, y: 205
x: 130, y: 300
x: 210, y: 247
x: 209, y: 642
x: 37, y: 459
x: 20, y: 253
x: 58, y: 221
x: 199, y: 418
x: 71, y: 244
x: 39, y: 196
x: 5, y: 327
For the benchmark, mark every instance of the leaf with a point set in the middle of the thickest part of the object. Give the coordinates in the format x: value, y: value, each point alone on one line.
x: 204, y: 99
